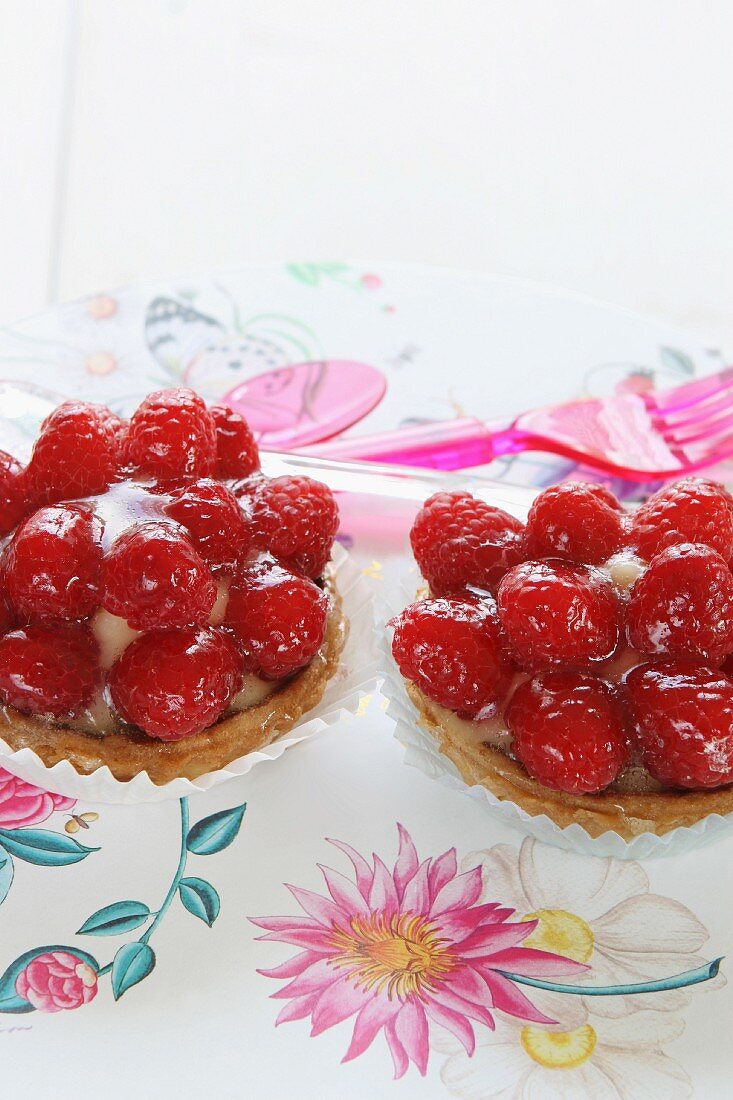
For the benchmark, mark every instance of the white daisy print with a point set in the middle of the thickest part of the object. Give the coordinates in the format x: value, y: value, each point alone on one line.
x: 606, y: 1059
x: 600, y: 912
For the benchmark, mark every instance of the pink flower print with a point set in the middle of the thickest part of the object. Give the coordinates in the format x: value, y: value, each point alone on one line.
x: 639, y: 381
x: 56, y: 981
x: 22, y: 803
x: 403, y: 951
x: 371, y: 281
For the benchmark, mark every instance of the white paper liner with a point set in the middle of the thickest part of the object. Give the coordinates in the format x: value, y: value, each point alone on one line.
x: 355, y: 675
x: 421, y: 751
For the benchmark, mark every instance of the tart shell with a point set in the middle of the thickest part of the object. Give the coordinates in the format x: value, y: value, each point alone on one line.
x: 127, y: 752
x: 628, y: 814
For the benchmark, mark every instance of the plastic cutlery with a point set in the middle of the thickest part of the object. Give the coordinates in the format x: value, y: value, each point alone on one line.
x: 637, y: 436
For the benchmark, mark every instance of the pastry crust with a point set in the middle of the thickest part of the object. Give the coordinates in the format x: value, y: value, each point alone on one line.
x: 628, y: 814
x: 127, y: 753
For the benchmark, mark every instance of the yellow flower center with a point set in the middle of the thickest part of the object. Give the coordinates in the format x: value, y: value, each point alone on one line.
x: 562, y: 933
x: 101, y: 362
x: 401, y: 954
x: 559, y: 1049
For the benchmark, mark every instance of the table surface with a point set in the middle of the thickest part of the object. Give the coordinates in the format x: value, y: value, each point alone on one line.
x: 202, y: 1018
x: 580, y: 144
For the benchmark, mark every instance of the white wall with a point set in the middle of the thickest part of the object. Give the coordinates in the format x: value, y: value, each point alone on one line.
x: 580, y: 142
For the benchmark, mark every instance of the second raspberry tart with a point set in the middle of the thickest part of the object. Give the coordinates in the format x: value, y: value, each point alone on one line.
x: 581, y: 665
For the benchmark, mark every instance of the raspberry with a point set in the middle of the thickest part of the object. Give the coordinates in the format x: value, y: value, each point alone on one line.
x: 49, y: 669
x: 296, y: 519
x: 568, y: 731
x: 75, y: 455
x: 716, y: 487
x: 53, y: 564
x: 6, y: 616
x: 682, y: 718
x: 682, y: 606
x: 117, y: 426
x: 155, y: 577
x: 237, y: 454
x: 554, y: 612
x: 452, y: 650
x: 279, y: 618
x: 13, y: 502
x: 691, y: 510
x: 458, y: 540
x: 171, y: 434
x: 174, y: 683
x: 210, y: 513
x: 575, y: 521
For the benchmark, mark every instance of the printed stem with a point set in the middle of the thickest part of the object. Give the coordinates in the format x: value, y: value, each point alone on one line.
x: 173, y: 886
x: 176, y: 878
x: 688, y: 977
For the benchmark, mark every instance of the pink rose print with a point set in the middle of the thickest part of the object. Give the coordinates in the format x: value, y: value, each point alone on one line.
x: 56, y: 981
x: 405, y: 950
x: 22, y: 803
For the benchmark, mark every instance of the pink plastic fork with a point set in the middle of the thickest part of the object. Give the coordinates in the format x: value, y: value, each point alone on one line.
x: 641, y: 437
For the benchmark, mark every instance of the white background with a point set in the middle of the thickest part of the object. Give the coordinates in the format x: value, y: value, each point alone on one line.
x: 581, y: 142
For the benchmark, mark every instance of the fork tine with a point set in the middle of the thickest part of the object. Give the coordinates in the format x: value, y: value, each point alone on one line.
x: 717, y: 450
x: 709, y: 431
x: 681, y: 397
x: 704, y: 410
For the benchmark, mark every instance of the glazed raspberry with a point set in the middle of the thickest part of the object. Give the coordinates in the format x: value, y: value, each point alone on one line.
x: 575, y: 521
x: 53, y: 564
x: 296, y: 519
x: 170, y: 435
x: 458, y: 540
x: 118, y: 427
x: 568, y: 731
x: 716, y: 487
x: 75, y: 455
x: 210, y: 513
x: 603, y: 493
x: 691, y: 510
x: 237, y: 454
x: 278, y: 618
x: 7, y: 620
x: 247, y: 490
x: 174, y: 683
x: 13, y: 492
x: 557, y: 613
x: 682, y: 718
x: 682, y: 606
x: 153, y: 576
x: 50, y: 669
x: 452, y: 650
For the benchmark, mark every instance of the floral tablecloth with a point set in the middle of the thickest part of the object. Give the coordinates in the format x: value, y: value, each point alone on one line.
x: 335, y: 920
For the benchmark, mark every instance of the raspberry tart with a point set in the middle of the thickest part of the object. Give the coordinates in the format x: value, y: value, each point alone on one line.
x: 580, y: 665
x: 164, y: 607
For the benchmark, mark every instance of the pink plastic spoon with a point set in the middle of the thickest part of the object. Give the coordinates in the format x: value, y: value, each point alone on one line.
x: 307, y: 402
